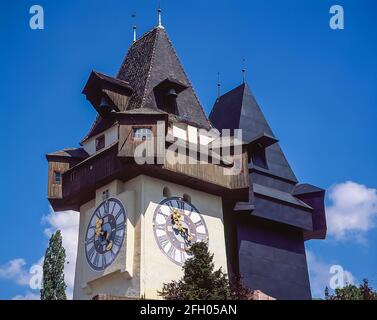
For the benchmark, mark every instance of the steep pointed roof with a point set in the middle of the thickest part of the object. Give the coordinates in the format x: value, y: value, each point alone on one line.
x: 149, y: 61
x: 239, y: 109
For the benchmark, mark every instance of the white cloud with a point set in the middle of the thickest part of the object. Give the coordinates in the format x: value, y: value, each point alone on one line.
x: 16, y: 270
x: 27, y: 296
x: 320, y: 276
x: 352, y: 211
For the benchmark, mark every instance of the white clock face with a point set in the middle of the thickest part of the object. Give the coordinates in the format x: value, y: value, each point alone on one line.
x: 177, y: 226
x: 105, y: 234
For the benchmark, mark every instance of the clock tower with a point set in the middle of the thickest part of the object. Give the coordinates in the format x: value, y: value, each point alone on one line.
x: 154, y: 175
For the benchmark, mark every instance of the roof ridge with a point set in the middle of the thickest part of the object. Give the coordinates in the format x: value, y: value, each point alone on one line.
x: 150, y: 68
x: 130, y: 48
x: 188, y: 79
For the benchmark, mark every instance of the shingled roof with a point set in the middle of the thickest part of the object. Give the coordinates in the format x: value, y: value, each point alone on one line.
x: 151, y: 60
x: 238, y: 109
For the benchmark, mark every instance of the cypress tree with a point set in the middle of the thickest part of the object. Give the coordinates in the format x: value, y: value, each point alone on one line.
x: 53, y: 284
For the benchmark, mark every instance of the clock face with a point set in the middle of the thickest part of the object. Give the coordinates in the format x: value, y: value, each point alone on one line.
x: 105, y: 234
x: 177, y: 226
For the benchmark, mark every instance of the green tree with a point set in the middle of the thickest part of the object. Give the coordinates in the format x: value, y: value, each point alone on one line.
x: 53, y: 284
x: 200, y: 281
x: 352, y: 292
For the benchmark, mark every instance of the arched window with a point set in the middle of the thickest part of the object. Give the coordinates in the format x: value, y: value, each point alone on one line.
x: 186, y: 197
x: 166, y: 192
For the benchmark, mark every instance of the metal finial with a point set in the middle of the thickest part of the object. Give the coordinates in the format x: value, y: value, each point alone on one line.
x: 218, y: 85
x: 243, y: 70
x: 134, y: 27
x: 159, y: 11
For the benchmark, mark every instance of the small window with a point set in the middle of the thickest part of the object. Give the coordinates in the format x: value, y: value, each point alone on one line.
x: 166, y: 192
x: 105, y: 195
x: 259, y: 157
x: 100, y: 143
x: 186, y: 198
x: 57, y: 177
x: 141, y: 134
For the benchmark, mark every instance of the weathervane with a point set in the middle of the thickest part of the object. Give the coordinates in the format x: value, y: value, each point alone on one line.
x: 159, y: 11
x: 134, y: 27
x: 243, y: 70
x: 218, y: 85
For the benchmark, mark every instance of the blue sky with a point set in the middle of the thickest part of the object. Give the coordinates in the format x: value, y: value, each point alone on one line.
x: 316, y: 86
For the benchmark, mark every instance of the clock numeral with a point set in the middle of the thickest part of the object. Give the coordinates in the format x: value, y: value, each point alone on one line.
x: 98, y: 214
x: 120, y: 227
x: 163, y: 240
x: 91, y: 253
x: 183, y: 257
x: 104, y: 260
x: 160, y: 226
x: 190, y: 213
x: 118, y: 214
x: 96, y: 259
x: 163, y: 214
x: 180, y: 204
x: 90, y: 240
x: 114, y: 205
x: 199, y: 223
x: 106, y: 207
x: 202, y: 237
x: 171, y: 252
x: 118, y: 240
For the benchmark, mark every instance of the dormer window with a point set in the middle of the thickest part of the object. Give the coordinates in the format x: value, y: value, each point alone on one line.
x: 100, y: 142
x: 166, y: 94
x: 142, y: 134
x: 259, y: 157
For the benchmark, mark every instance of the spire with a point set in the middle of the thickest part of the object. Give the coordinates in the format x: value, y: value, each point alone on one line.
x: 218, y: 85
x: 242, y: 111
x: 159, y: 11
x: 151, y: 61
x: 243, y: 71
x: 134, y: 27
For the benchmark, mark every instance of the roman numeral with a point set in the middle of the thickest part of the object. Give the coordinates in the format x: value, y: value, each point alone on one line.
x: 120, y: 227
x: 98, y: 214
x: 163, y: 240
x: 106, y: 207
x: 180, y: 204
x: 163, y: 214
x: 160, y: 226
x: 199, y: 223
x: 118, y: 240
x: 171, y: 252
x: 202, y: 237
x: 91, y: 253
x: 90, y: 240
x: 118, y: 214
x: 96, y: 259
x: 112, y: 210
x: 103, y: 260
x: 183, y: 258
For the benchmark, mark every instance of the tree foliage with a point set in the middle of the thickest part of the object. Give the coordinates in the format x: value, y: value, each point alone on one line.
x: 200, y: 281
x: 352, y: 292
x: 53, y: 284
